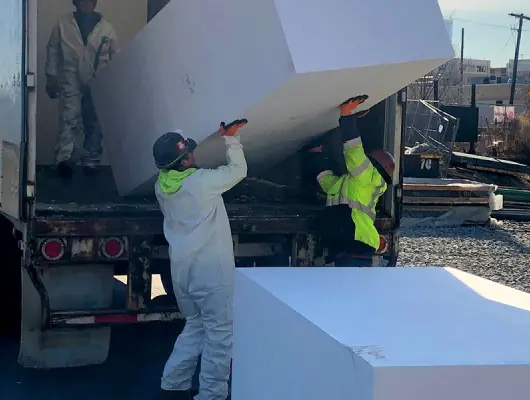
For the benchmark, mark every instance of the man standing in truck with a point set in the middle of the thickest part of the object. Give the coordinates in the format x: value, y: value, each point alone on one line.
x: 80, y: 44
x: 197, y: 229
x: 348, y: 223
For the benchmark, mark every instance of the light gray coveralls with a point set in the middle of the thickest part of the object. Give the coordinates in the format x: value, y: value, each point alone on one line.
x: 197, y: 229
x: 73, y: 63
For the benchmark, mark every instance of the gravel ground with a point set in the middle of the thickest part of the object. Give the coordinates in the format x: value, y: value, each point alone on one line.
x: 500, y: 253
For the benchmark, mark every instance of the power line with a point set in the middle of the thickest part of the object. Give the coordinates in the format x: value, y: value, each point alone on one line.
x: 486, y: 24
x: 509, y: 39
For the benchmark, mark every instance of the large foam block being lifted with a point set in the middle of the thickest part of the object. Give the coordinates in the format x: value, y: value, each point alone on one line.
x: 378, y: 334
x: 283, y: 64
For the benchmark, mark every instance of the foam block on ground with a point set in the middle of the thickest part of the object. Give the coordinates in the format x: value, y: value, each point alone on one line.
x: 378, y: 334
x: 283, y: 66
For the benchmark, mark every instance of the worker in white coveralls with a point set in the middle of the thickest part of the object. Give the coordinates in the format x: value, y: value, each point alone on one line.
x: 197, y: 229
x: 80, y: 44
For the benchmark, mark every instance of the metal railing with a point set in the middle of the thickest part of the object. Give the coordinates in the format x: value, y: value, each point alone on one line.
x: 430, y: 130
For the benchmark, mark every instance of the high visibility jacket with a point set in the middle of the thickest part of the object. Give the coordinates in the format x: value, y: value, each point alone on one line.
x: 360, y: 188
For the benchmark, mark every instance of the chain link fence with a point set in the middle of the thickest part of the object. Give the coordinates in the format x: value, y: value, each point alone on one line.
x: 430, y: 130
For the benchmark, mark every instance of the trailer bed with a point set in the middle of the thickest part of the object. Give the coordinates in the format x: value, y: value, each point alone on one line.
x: 90, y: 205
x: 82, y: 189
x: 99, y: 192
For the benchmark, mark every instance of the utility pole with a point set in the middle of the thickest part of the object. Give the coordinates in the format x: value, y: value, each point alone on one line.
x: 462, y: 58
x: 521, y: 18
x: 461, y: 87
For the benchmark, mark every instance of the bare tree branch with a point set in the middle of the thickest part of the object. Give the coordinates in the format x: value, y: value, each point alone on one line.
x: 448, y: 78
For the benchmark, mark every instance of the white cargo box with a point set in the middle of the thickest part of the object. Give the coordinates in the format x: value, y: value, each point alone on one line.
x: 378, y: 334
x: 284, y: 65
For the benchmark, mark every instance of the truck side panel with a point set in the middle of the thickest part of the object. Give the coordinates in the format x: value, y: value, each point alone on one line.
x: 12, y: 102
x: 86, y: 286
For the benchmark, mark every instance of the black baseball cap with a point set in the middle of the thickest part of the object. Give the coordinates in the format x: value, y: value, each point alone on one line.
x: 170, y: 148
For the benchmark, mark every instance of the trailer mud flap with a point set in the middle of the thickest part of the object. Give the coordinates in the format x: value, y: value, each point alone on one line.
x: 73, y: 287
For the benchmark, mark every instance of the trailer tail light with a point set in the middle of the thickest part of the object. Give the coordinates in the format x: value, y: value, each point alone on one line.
x: 52, y: 249
x: 113, y: 248
x: 384, y: 243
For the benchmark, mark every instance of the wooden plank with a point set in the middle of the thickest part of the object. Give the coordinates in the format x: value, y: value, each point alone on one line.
x: 452, y: 187
x: 488, y: 163
x: 448, y: 201
x: 410, y: 183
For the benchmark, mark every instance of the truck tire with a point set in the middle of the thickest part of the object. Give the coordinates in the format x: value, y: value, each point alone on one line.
x: 69, y: 287
x: 163, y: 301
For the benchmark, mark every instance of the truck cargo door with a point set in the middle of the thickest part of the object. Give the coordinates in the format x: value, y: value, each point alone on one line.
x: 12, y: 104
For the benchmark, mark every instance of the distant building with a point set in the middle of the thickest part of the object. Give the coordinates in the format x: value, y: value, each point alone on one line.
x: 499, y: 71
x: 475, y: 71
x: 489, y: 96
x: 523, y: 67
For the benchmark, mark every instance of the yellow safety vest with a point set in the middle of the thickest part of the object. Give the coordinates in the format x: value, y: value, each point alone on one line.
x: 360, y: 189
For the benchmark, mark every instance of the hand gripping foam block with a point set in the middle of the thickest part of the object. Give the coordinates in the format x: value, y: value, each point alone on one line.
x: 378, y: 334
x: 285, y: 65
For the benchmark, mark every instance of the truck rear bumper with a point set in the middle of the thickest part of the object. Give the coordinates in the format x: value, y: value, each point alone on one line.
x: 83, y: 238
x: 112, y: 317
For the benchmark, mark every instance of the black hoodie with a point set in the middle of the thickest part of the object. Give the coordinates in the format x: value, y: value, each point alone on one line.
x: 87, y: 23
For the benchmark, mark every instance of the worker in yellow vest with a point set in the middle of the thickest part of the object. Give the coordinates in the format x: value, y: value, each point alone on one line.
x: 348, y: 224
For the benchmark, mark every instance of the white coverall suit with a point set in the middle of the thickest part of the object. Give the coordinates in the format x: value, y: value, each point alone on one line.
x: 197, y: 229
x: 73, y: 64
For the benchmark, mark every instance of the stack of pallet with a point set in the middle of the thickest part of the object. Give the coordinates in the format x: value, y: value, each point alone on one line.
x: 448, y: 201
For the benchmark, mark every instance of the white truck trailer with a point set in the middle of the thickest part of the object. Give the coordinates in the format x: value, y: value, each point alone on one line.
x: 77, y: 237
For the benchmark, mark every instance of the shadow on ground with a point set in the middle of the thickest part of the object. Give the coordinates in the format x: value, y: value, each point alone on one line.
x: 136, y: 359
x: 132, y: 371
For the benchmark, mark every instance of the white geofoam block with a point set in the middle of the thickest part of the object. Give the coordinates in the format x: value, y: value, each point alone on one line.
x: 378, y: 334
x: 284, y: 65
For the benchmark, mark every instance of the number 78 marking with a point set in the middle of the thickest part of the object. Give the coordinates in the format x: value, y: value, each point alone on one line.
x: 426, y: 163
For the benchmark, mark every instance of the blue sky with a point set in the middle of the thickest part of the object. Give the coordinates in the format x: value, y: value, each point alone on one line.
x: 487, y: 26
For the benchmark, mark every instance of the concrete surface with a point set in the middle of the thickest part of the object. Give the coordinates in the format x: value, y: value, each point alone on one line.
x: 132, y: 370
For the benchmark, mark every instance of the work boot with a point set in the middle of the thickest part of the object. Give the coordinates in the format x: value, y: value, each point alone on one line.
x: 65, y: 169
x: 175, y: 395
